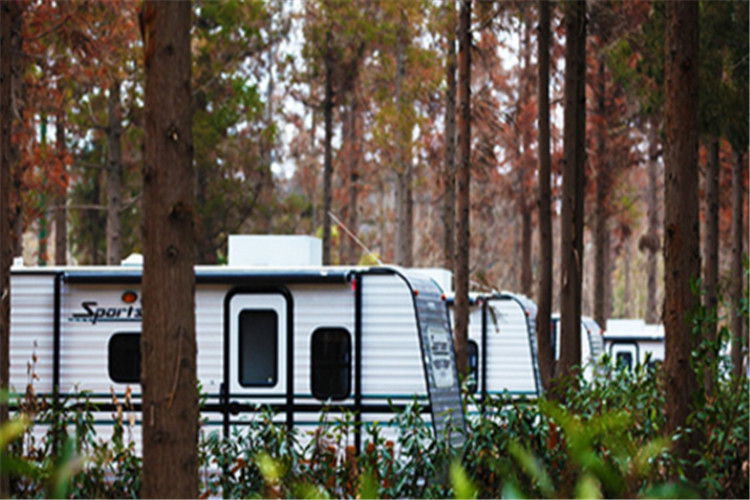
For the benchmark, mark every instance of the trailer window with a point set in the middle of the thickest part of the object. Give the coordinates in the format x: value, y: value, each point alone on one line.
x: 258, y: 348
x: 624, y: 360
x: 331, y: 373
x: 472, y: 353
x: 124, y: 358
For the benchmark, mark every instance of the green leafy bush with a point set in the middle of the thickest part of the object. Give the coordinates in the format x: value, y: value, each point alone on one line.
x: 607, y: 441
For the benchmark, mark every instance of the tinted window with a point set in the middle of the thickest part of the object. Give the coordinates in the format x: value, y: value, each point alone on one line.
x: 473, y: 359
x: 124, y: 358
x: 331, y: 371
x: 624, y: 360
x: 258, y: 348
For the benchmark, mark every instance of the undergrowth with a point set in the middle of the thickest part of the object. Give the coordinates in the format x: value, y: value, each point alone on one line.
x: 608, y: 441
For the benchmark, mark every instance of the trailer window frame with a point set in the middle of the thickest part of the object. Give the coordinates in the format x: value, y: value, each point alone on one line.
x: 120, y: 366
x: 258, y: 348
x: 472, y: 358
x: 337, y: 367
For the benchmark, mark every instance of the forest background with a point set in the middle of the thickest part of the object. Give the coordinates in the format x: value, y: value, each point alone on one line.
x: 248, y: 86
x: 260, y: 73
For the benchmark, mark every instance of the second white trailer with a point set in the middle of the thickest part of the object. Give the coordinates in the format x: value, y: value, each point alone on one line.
x: 502, y: 345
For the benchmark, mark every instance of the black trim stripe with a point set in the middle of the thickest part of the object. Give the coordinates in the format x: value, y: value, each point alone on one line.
x: 358, y: 359
x: 258, y: 278
x: 485, y: 314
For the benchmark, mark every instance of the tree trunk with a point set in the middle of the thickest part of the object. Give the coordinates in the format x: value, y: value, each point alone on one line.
x: 43, y: 219
x: 313, y: 195
x: 449, y: 168
x: 654, y: 243
x: 627, y: 309
x: 463, y: 179
x: 573, y: 188
x: 328, y: 153
x: 602, y: 284
x: 404, y: 206
x: 18, y: 100
x: 739, y: 324
x: 11, y: 14
x: 168, y: 346
x: 527, y: 278
x: 711, y: 270
x: 544, y: 299
x: 61, y: 213
x: 681, y: 229
x: 354, y: 157
x: 114, y: 176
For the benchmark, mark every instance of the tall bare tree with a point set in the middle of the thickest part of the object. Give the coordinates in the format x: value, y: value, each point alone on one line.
x: 328, y: 61
x: 544, y: 297
x: 10, y: 44
x: 711, y: 255
x: 602, y: 279
x: 114, y: 175
x: 739, y: 324
x: 681, y: 225
x: 61, y: 212
x: 524, y: 207
x: 651, y: 241
x: 449, y: 165
x: 463, y: 179
x: 574, y: 153
x: 168, y: 377
x: 404, y: 199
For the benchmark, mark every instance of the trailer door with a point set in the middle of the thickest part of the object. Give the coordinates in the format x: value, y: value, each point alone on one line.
x: 257, y: 351
x: 624, y: 354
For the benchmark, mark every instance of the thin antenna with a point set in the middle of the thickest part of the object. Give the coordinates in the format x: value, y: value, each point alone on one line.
x: 352, y: 236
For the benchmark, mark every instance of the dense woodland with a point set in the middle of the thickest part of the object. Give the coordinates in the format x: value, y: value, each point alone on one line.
x: 259, y: 78
x: 570, y: 151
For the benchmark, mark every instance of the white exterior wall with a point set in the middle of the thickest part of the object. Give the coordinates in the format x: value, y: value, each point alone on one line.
x: 32, y: 324
x: 510, y: 365
x: 392, y: 367
x: 392, y: 361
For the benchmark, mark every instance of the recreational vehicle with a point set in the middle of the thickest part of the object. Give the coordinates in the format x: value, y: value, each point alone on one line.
x: 296, y: 339
x: 631, y: 341
x: 502, y: 348
x: 592, y: 342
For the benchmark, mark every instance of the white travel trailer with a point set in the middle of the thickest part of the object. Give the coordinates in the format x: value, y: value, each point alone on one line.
x: 298, y: 340
x: 502, y: 345
x: 592, y: 342
x: 631, y: 341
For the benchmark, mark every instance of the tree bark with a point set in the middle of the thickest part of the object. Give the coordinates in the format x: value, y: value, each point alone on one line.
x: 711, y: 269
x: 681, y: 224
x: 652, y: 311
x: 43, y: 218
x: 627, y: 308
x: 114, y: 176
x: 463, y: 178
x: 602, y: 285
x: 354, y: 157
x: 61, y: 212
x: 449, y: 166
x: 527, y: 277
x: 404, y: 205
x: 168, y: 345
x: 11, y: 14
x: 18, y: 100
x: 573, y: 188
x: 328, y: 152
x: 544, y: 298
x: 739, y: 324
